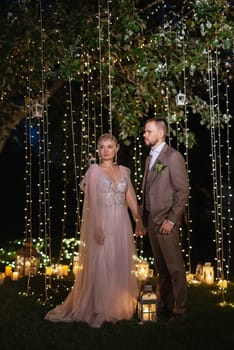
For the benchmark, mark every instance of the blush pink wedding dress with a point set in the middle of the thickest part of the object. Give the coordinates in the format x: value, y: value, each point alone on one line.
x: 106, y: 288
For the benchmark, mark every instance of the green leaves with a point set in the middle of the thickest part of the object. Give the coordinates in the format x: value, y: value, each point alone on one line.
x: 149, y: 63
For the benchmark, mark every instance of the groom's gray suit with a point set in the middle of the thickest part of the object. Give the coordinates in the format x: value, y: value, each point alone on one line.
x: 165, y: 194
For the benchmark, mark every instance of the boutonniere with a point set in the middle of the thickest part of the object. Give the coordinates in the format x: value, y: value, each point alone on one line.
x: 159, y: 166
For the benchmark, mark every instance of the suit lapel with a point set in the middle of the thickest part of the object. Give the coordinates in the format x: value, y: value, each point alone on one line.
x: 146, y: 171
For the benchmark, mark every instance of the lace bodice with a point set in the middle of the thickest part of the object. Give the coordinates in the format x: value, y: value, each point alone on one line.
x: 112, y: 192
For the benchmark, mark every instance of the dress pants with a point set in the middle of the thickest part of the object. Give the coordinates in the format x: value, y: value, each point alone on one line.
x: 169, y: 264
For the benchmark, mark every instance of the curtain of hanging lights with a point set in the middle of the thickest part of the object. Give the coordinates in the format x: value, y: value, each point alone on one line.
x: 87, y: 138
x: 221, y: 213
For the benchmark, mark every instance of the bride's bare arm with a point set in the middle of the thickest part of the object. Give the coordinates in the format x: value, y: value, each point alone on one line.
x: 131, y: 200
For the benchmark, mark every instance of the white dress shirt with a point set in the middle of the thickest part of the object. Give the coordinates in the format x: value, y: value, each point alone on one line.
x: 155, y: 153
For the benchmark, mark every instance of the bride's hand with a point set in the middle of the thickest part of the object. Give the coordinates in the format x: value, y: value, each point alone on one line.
x: 140, y: 229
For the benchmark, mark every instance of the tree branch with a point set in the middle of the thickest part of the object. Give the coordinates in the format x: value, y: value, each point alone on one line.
x: 151, y: 5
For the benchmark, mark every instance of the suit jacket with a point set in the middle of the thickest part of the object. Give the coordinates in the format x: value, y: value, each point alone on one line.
x: 167, y: 190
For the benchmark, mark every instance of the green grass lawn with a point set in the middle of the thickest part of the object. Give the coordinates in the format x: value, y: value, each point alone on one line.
x: 22, y: 324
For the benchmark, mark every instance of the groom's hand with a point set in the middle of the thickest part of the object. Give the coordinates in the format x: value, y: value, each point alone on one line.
x: 166, y: 227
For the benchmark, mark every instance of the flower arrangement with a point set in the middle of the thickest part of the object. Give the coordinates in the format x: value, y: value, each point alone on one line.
x: 159, y: 166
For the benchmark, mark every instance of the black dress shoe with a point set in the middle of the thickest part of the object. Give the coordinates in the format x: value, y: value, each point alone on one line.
x: 178, y: 318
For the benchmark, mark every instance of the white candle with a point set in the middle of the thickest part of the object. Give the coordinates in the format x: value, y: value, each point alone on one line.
x: 15, y: 276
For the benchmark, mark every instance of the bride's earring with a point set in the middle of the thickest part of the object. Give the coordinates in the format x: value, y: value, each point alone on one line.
x: 116, y: 154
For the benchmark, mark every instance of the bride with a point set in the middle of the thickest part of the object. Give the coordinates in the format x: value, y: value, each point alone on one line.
x: 105, y: 290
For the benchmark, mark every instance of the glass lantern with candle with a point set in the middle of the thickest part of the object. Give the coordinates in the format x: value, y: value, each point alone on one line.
x: 147, y: 304
x: 208, y: 273
x: 27, y: 259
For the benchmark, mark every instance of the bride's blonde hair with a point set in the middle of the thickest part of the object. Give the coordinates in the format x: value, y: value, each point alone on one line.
x: 110, y: 137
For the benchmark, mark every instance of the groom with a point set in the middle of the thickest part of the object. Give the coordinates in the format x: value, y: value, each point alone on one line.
x: 165, y: 192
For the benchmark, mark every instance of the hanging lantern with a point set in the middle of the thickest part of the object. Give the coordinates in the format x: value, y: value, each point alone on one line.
x: 208, y: 273
x: 180, y: 99
x: 27, y: 260
x: 37, y: 110
x: 142, y: 270
x: 147, y: 304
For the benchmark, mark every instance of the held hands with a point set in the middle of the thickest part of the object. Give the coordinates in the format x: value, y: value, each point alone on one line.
x: 166, y: 227
x: 140, y: 229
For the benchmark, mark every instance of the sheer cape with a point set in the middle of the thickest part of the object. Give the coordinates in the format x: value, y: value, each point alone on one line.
x: 105, y: 289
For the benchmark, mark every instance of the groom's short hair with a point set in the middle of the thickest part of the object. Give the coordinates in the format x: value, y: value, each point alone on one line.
x: 161, y: 123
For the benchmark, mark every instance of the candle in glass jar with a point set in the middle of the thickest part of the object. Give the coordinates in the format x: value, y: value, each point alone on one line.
x: 15, y: 276
x: 8, y: 271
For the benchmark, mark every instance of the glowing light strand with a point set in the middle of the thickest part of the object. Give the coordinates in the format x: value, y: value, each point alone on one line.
x: 221, y: 256
x: 109, y: 64
x: 100, y: 66
x: 137, y: 181
x: 64, y: 191
x: 213, y: 144
x: 28, y: 162
x: 45, y: 166
x: 165, y: 65
x: 217, y: 167
x: 76, y: 177
x: 186, y: 153
x: 229, y: 188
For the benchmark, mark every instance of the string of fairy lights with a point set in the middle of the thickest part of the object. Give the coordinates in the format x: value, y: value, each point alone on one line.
x: 229, y: 218
x: 100, y: 38
x: 86, y: 132
x: 108, y: 4
x: 187, y: 231
x: 222, y: 225
x: 81, y: 129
